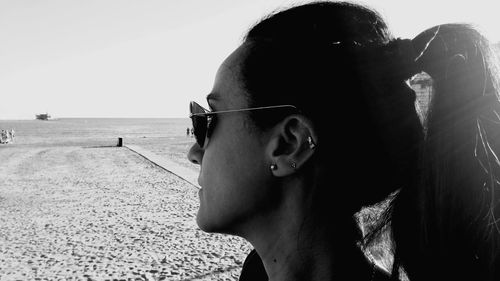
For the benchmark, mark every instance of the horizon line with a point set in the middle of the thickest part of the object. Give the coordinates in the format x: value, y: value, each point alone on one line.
x: 91, y: 117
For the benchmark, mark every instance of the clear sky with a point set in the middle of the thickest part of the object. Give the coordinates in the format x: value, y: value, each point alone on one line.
x: 149, y: 58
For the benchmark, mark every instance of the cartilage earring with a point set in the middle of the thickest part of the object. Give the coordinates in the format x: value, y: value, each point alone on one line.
x: 311, y: 143
x: 273, y: 167
x: 294, y: 165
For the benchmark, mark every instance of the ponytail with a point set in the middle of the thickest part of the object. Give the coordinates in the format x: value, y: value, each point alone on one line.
x: 446, y: 224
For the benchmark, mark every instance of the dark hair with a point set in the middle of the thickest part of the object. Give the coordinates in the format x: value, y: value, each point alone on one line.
x: 310, y: 54
x: 446, y: 170
x: 447, y: 222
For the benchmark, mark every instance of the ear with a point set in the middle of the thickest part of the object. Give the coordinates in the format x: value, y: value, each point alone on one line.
x: 291, y: 145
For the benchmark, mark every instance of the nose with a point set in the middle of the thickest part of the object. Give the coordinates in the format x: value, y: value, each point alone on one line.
x: 195, y: 154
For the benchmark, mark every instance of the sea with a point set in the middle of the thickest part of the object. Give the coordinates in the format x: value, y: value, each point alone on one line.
x: 96, y: 131
x: 165, y: 137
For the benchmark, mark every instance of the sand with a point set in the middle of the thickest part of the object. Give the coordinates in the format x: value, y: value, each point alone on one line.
x: 103, y: 213
x: 87, y: 210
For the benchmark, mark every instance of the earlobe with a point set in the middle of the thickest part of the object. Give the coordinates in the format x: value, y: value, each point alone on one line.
x: 273, y: 167
x: 292, y: 144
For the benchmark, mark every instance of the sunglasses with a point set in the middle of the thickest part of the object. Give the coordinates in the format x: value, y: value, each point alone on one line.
x: 202, y: 118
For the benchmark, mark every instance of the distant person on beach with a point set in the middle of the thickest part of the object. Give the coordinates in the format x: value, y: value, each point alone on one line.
x: 4, y: 136
x: 311, y: 118
x: 188, y: 132
x: 9, y: 135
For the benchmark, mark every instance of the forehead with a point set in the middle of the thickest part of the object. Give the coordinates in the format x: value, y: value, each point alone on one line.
x: 228, y: 90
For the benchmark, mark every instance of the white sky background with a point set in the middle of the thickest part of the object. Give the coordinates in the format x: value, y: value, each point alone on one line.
x: 149, y: 58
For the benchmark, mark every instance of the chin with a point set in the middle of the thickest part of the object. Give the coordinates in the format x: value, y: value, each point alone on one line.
x: 208, y: 224
x: 211, y: 224
x: 203, y: 224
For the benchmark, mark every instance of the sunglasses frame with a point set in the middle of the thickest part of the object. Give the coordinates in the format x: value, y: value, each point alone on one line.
x: 209, y: 113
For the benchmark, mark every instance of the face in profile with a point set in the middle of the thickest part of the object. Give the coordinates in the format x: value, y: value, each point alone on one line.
x: 234, y: 174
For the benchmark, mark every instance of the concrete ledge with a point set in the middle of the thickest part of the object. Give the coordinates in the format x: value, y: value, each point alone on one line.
x: 182, y: 172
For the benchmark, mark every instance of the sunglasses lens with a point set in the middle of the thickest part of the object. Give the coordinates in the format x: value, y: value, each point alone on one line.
x: 199, y: 123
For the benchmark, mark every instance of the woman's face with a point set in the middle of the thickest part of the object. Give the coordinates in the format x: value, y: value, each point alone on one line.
x: 234, y: 175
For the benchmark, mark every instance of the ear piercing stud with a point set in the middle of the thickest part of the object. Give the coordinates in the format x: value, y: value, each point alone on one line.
x: 273, y: 167
x: 311, y: 143
x: 294, y: 165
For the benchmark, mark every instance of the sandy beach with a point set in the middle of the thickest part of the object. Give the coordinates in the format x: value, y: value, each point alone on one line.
x: 104, y: 213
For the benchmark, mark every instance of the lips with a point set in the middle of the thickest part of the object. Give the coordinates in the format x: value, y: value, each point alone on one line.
x: 199, y: 186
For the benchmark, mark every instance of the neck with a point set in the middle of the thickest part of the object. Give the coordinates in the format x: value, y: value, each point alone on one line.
x: 292, y: 247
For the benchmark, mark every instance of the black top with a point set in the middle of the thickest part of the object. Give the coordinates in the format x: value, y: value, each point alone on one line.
x: 253, y: 269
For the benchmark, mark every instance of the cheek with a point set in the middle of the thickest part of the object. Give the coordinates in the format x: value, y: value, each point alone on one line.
x: 232, y: 172
x: 232, y: 156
